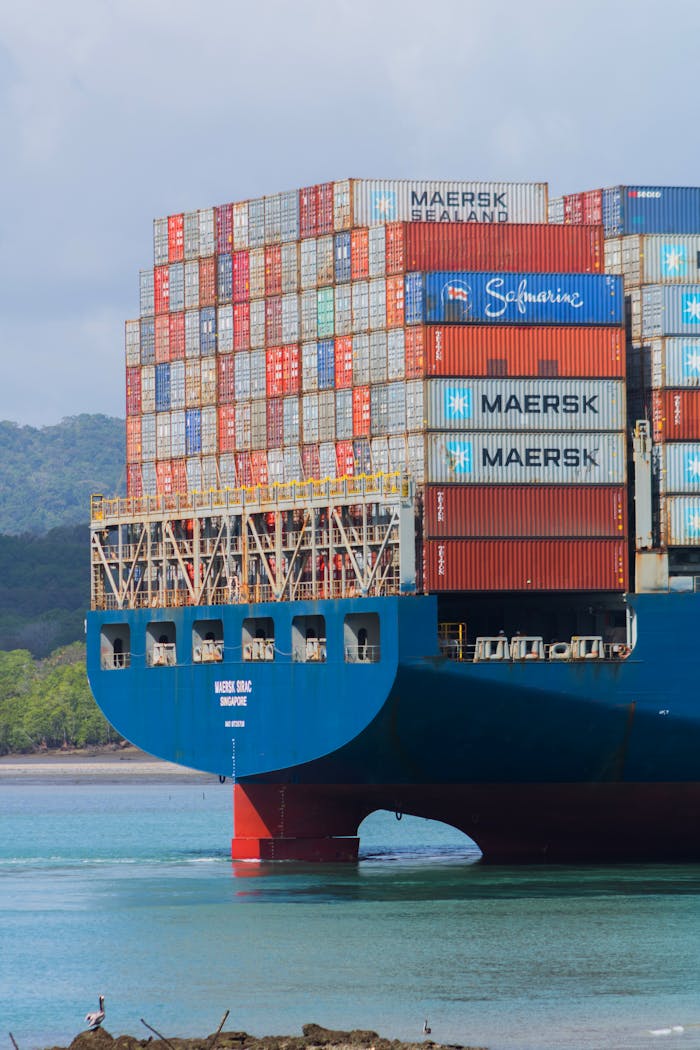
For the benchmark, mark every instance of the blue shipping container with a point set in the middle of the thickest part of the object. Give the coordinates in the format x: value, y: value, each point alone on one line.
x: 325, y: 363
x: 362, y: 456
x: 162, y: 388
x: 193, y: 431
x: 148, y: 341
x: 651, y: 209
x: 207, y: 330
x: 413, y: 298
x: 521, y: 298
x: 342, y: 257
x: 224, y: 278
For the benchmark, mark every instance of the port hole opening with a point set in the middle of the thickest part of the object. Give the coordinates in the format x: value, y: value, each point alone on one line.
x: 258, y: 638
x: 160, y: 644
x: 309, y: 639
x: 115, y: 646
x: 207, y: 641
x: 361, y: 638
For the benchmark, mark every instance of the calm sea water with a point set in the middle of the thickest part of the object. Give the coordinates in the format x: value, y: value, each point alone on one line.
x: 128, y: 890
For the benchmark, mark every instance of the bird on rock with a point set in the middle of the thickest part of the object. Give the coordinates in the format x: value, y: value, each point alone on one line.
x: 95, y: 1019
x: 426, y: 1028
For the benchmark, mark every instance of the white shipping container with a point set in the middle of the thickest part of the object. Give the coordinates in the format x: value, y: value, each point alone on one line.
x: 289, y: 215
x: 343, y: 309
x: 507, y: 458
x: 177, y: 385
x: 360, y: 360
x: 256, y: 263
x: 192, y: 284
x: 290, y: 318
x: 193, y: 469
x: 193, y: 383
x: 309, y: 314
x: 377, y: 304
x: 242, y: 423
x: 675, y: 362
x: 379, y: 447
x: 163, y: 435
x: 192, y: 344
x: 396, y: 408
x: 396, y: 353
x: 676, y: 465
x: 307, y: 263
x: 257, y: 323
x: 343, y: 415
x: 258, y: 385
x: 327, y: 459
x: 210, y: 474
x: 681, y: 518
x: 273, y: 218
x: 191, y: 234
x: 555, y: 211
x: 146, y: 294
x: 160, y: 241
x: 655, y: 258
x: 309, y: 367
x: 377, y: 357
x: 178, y: 446
x: 224, y: 329
x: 392, y: 200
x: 207, y: 232
x: 415, y: 457
x: 148, y: 436
x: 227, y: 470
x: 289, y: 255
x: 292, y: 464
x: 360, y: 306
x: 148, y: 388
x: 209, y: 430
x: 275, y: 466
x: 670, y: 310
x: 379, y: 409
x: 633, y: 308
x: 208, y: 373
x: 342, y: 205
x: 309, y: 418
x: 415, y: 419
x: 397, y: 452
x: 525, y: 404
x: 377, y: 251
x: 176, y: 281
x: 132, y: 342
x: 148, y: 478
x: 290, y: 421
x: 240, y: 226
x: 241, y: 375
x: 325, y: 260
x: 256, y: 223
x: 326, y: 415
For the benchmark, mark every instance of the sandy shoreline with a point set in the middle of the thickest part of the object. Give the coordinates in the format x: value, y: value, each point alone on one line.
x: 104, y: 766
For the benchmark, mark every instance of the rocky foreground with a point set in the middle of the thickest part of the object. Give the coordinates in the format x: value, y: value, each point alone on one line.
x: 314, y: 1038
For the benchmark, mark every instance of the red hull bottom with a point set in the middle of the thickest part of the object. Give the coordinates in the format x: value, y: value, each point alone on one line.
x: 511, y: 823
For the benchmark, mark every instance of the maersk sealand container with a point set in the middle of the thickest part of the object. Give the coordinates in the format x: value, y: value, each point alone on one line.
x: 651, y: 209
x: 670, y: 310
x: 464, y: 297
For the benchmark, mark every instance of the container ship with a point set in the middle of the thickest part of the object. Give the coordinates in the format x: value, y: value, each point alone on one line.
x: 413, y: 516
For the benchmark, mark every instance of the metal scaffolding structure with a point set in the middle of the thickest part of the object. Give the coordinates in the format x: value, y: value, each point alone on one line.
x: 304, y: 540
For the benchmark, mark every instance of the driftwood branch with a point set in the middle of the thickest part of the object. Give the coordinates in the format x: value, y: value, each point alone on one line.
x: 151, y: 1029
x: 216, y: 1035
x: 14, y: 1043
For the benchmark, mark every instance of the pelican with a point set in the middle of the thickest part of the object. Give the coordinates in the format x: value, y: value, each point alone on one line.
x: 95, y: 1019
x: 426, y: 1028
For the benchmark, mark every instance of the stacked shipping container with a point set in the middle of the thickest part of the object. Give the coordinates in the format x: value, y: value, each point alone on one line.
x: 312, y: 333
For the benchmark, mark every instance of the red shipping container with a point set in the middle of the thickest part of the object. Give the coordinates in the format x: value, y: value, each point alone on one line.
x: 573, y: 209
x: 273, y: 320
x: 177, y: 336
x: 275, y: 422
x: 308, y: 201
x: 225, y: 382
x: 359, y: 253
x: 207, y: 281
x: 360, y: 411
x: 164, y: 478
x: 241, y: 277
x: 415, y: 351
x: 394, y: 302
x: 344, y: 459
x: 133, y: 391
x: 133, y: 439
x: 593, y: 207
x: 273, y: 269
x: 134, y: 485
x: 223, y: 216
x: 176, y: 238
x: 395, y: 248
x: 676, y: 415
x: 243, y: 468
x: 162, y: 338
x: 161, y: 289
x: 524, y: 565
x: 227, y: 428
x: 274, y: 377
x: 258, y: 467
x: 290, y: 368
x: 557, y: 511
x: 324, y: 208
x: 343, y: 362
x: 241, y: 326
x: 310, y: 462
x: 553, y: 351
x: 179, y: 474
x: 505, y: 247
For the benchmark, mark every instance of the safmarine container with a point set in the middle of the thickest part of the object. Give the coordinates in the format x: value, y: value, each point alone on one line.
x: 525, y: 565
x: 502, y: 350
x: 389, y: 200
x: 677, y: 467
x: 558, y: 511
x: 503, y: 247
x: 539, y: 458
x: 675, y: 362
x: 675, y: 415
x: 525, y: 404
x: 464, y: 297
x: 654, y: 259
x: 681, y: 518
x: 651, y: 209
x: 670, y: 310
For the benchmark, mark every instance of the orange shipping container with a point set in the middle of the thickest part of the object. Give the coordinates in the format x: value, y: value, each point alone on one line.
x: 490, y: 511
x: 501, y: 350
x: 273, y: 269
x: 161, y: 289
x: 290, y: 368
x: 343, y: 362
x: 133, y: 439
x: 164, y: 478
x: 227, y: 428
x: 207, y: 281
x: 344, y: 458
x: 525, y: 565
x: 134, y: 485
x: 176, y: 238
x: 177, y: 336
x: 359, y: 253
x: 394, y: 302
x: 226, y: 388
x: 676, y: 415
x: 360, y: 411
x: 415, y: 352
x: 258, y: 467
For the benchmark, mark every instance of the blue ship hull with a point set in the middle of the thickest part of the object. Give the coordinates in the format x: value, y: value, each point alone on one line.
x: 534, y: 760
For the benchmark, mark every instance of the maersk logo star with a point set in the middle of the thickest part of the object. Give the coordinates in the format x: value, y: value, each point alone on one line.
x: 459, y: 456
x: 692, y: 467
x: 458, y: 402
x: 691, y: 308
x: 674, y: 262
x: 692, y: 521
x: 691, y: 361
x: 383, y: 205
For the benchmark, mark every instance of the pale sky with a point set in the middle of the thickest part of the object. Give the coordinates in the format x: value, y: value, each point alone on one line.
x: 113, y: 112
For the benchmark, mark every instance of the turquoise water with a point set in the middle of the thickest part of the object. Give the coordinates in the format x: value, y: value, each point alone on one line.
x: 127, y: 889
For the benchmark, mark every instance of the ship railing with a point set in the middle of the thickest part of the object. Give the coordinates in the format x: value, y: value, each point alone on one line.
x: 162, y: 655
x: 526, y: 648
x: 115, y: 661
x: 362, y: 654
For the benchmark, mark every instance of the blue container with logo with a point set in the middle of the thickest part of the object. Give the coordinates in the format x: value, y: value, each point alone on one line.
x: 162, y: 388
x: 463, y: 297
x: 651, y: 209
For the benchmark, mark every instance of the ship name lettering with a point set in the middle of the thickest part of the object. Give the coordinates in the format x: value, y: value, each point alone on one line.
x: 459, y: 199
x: 440, y: 505
x: 233, y: 701
x: 225, y: 687
x: 520, y: 297
x: 243, y: 685
x: 541, y: 404
x: 234, y: 724
x: 433, y: 215
x: 539, y: 457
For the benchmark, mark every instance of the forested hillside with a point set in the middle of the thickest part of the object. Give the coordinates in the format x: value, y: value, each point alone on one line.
x: 47, y: 474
